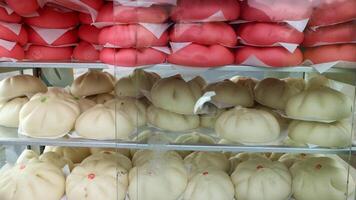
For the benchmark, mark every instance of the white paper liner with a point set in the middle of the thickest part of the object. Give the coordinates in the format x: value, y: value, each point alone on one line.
x: 104, y: 24
x: 23, y: 133
x: 299, y: 25
x: 35, y: 14
x: 73, y: 134
x: 291, y: 47
x: 324, y: 67
x: 216, y: 17
x: 97, y: 47
x: 165, y: 50
x: 240, y: 21
x: 313, y: 146
x: 145, y: 3
x: 278, y: 141
x: 283, y: 114
x: 7, y: 8
x: 10, y: 155
x: 6, y: 59
x: 50, y: 35
x: 28, y: 45
x: 7, y: 44
x: 254, y: 61
x: 66, y: 170
x: 162, y: 49
x: 199, y: 107
x: 331, y: 43
x: 155, y: 129
x: 57, y: 7
x: 206, y: 105
x: 13, y: 27
x: 77, y: 5
x: 316, y: 27
x: 156, y: 29
x: 176, y: 46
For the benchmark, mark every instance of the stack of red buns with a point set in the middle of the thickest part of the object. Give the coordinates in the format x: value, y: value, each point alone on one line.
x: 134, y: 35
x: 199, y: 32
x: 201, y: 37
x: 24, y: 8
x: 87, y: 49
x: 331, y: 35
x: 13, y: 35
x: 269, y: 36
x: 52, y: 34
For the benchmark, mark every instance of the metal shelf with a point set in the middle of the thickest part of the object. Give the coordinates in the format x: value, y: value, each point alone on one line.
x: 163, y: 67
x: 9, y: 136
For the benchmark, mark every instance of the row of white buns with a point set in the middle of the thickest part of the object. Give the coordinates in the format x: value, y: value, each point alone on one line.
x: 165, y: 175
x: 170, y: 107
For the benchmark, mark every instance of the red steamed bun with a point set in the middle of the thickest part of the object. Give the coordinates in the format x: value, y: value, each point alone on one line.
x: 330, y: 53
x: 134, y: 35
x: 198, y: 10
x: 340, y: 33
x: 272, y: 56
x: 267, y: 34
x: 86, y: 52
x: 50, y: 17
x: 132, y: 57
x: 43, y: 53
x: 196, y: 55
x: 204, y: 33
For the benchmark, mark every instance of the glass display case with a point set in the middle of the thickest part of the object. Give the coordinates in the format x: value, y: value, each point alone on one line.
x: 178, y: 100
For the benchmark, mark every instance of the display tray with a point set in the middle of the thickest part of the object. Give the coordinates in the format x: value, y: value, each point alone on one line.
x: 160, y: 67
x: 9, y: 136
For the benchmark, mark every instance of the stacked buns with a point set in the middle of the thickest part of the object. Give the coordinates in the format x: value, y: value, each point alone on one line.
x: 240, y: 110
x: 14, y: 93
x: 173, y: 102
x: 318, y: 120
x: 155, y: 175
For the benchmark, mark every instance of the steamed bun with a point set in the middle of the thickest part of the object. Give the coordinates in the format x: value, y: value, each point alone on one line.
x: 101, y: 98
x: 231, y: 94
x: 97, y: 179
x: 10, y: 112
x: 74, y: 154
x: 56, y: 159
x: 275, y: 93
x: 176, y: 95
x: 19, y: 86
x: 132, y: 85
x: 92, y: 83
x: 211, y: 184
x: 32, y: 181
x: 159, y: 178
x: 321, y: 178
x: 199, y: 161
x: 26, y: 156
x: 290, y: 158
x: 242, y: 157
x: 170, y: 121
x: 335, y: 134
x: 209, y: 120
x: 100, y: 122
x: 135, y: 109
x: 193, y: 138
x: 48, y: 116
x: 247, y: 126
x: 320, y: 103
x: 262, y: 179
